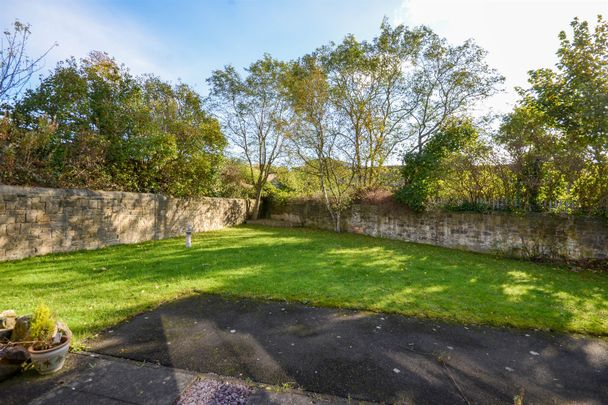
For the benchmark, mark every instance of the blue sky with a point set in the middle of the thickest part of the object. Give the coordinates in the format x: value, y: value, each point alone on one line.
x: 188, y: 39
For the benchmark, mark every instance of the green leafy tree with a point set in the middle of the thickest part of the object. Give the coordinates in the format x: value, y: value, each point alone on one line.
x: 180, y: 145
x: 422, y: 170
x: 574, y: 96
x: 558, y: 133
x: 475, y: 175
x: 295, y: 182
x: 235, y: 180
x: 532, y: 145
x: 93, y: 125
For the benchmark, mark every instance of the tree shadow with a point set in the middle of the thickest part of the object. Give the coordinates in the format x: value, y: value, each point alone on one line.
x: 96, y: 289
x: 87, y: 378
x: 340, y: 270
x: 362, y: 355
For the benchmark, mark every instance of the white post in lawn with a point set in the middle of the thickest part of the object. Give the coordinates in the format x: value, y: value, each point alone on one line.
x: 188, y: 236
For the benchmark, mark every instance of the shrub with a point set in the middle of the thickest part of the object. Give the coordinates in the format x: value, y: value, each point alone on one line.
x: 42, y: 328
x: 421, y: 169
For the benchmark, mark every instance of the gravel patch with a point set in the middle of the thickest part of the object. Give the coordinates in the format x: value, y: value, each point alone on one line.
x: 211, y: 392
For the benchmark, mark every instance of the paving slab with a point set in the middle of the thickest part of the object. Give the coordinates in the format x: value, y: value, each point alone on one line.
x: 90, y: 378
x: 363, y: 355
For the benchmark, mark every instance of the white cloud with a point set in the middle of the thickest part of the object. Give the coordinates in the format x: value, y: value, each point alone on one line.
x: 519, y: 35
x: 79, y: 28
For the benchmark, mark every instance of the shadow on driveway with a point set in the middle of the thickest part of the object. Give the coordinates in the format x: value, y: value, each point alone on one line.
x: 95, y: 379
x: 362, y: 355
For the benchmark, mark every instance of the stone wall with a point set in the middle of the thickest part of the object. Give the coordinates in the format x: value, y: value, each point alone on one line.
x: 531, y: 236
x: 36, y: 221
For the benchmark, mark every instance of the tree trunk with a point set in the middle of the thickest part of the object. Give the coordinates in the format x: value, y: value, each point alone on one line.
x: 338, y: 228
x: 256, y: 206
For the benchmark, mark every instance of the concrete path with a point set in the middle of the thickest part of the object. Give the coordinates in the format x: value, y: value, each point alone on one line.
x: 361, y: 355
x: 89, y: 378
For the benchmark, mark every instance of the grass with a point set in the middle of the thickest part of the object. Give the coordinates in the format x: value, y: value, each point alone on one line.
x: 92, y: 290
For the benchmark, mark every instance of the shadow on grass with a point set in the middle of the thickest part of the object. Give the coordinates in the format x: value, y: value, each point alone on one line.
x: 95, y: 289
x: 361, y: 355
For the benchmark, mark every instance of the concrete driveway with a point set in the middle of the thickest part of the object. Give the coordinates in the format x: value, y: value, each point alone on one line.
x: 363, y: 355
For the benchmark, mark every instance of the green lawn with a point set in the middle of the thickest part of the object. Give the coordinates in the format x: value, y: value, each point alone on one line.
x: 96, y: 289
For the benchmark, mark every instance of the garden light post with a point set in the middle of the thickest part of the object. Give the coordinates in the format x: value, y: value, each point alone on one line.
x: 188, y: 236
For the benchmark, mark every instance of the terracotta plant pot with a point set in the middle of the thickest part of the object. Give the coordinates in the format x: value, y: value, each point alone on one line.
x: 51, y: 360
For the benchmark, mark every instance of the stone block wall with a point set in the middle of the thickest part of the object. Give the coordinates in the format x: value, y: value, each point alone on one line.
x: 532, y: 235
x: 37, y: 221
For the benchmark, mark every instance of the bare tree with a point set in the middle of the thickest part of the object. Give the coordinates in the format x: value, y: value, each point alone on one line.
x: 395, y: 92
x: 367, y: 91
x: 316, y: 139
x: 16, y: 67
x: 445, y: 82
x: 252, y: 112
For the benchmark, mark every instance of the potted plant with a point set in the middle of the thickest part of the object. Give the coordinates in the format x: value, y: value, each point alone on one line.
x: 50, y: 341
